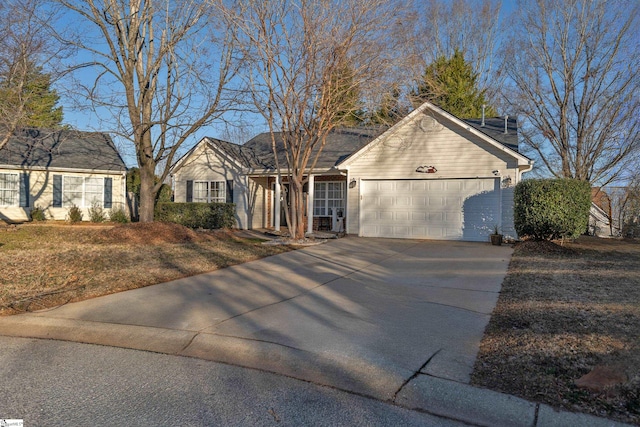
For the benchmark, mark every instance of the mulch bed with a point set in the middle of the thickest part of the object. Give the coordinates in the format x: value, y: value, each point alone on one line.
x: 48, y: 264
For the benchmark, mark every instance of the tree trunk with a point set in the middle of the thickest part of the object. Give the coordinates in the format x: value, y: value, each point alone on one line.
x: 147, y: 192
x: 296, y: 225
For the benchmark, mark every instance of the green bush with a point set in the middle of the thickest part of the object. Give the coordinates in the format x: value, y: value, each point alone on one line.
x: 118, y: 215
x: 96, y: 213
x: 197, y: 215
x: 164, y: 195
x: 546, y: 209
x: 37, y: 214
x: 74, y: 215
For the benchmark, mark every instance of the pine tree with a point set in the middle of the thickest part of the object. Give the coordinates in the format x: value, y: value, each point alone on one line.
x: 451, y: 84
x: 344, y: 94
x: 390, y: 110
x: 27, y: 99
x: 41, y: 100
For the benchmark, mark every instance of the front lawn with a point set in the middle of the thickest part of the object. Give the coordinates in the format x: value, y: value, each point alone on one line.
x: 562, y: 312
x: 47, y: 265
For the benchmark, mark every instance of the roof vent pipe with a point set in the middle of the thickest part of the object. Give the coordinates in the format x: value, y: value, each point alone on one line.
x: 482, y: 124
x: 505, y: 123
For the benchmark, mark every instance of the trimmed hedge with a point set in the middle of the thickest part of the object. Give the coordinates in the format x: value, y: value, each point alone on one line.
x: 197, y: 215
x: 546, y: 209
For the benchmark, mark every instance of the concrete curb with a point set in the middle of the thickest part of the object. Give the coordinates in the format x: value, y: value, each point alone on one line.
x: 437, y: 396
x: 485, y: 407
x: 347, y: 374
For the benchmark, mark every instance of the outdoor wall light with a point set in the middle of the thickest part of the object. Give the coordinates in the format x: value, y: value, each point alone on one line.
x: 496, y: 172
x: 353, y: 183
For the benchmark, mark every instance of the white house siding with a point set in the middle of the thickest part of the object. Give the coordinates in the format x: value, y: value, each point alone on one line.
x: 41, y: 194
x: 205, y: 164
x: 453, y: 151
x: 250, y: 195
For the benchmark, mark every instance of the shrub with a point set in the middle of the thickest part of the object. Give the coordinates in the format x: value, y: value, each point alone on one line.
x: 118, y: 215
x: 74, y: 215
x: 546, y: 209
x: 37, y: 214
x: 96, y: 213
x: 164, y: 194
x: 197, y: 215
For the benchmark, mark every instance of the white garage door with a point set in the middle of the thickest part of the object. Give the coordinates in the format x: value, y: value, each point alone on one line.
x: 446, y: 209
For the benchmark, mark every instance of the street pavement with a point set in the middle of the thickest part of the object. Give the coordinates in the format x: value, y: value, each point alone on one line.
x: 398, y: 321
x: 57, y: 383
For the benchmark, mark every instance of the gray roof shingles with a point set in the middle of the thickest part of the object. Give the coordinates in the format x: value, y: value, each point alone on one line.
x: 341, y: 143
x: 494, y: 127
x: 257, y: 153
x: 64, y: 149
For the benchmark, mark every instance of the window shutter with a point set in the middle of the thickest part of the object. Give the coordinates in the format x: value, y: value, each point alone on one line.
x: 108, y: 193
x: 189, y: 191
x: 24, y: 190
x: 230, y: 191
x: 57, y: 191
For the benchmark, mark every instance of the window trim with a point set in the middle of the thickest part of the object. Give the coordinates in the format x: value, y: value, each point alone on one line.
x: 16, y: 190
x: 83, y: 204
x: 222, y: 191
x: 326, y: 198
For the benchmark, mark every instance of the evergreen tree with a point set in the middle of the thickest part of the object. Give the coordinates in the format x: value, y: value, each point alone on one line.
x: 344, y: 95
x: 41, y: 100
x: 390, y: 110
x: 26, y: 95
x: 451, y: 84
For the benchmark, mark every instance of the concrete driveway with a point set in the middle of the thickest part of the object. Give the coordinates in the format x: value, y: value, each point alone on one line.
x: 364, y: 315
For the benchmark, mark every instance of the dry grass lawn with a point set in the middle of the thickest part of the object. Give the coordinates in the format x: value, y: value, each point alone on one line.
x: 562, y: 312
x: 47, y: 265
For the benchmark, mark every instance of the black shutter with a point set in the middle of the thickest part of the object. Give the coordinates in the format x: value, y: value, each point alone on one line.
x: 189, y: 191
x: 229, y: 191
x: 108, y: 193
x: 24, y: 190
x: 57, y: 191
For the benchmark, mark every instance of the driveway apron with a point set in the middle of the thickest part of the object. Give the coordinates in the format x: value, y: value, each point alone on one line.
x: 365, y: 315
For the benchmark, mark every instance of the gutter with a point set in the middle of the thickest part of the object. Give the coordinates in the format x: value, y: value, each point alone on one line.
x: 70, y: 170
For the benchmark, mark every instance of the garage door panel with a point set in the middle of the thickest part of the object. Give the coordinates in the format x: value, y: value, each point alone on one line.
x: 456, y: 209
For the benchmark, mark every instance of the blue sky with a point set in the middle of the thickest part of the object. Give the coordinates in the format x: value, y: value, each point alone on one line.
x: 88, y: 120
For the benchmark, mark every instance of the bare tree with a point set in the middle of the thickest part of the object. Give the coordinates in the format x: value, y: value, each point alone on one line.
x: 25, y: 49
x: 306, y: 60
x: 574, y: 72
x: 469, y: 26
x: 162, y: 70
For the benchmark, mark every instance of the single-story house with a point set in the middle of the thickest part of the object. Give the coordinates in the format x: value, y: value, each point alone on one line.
x: 55, y: 170
x: 430, y: 176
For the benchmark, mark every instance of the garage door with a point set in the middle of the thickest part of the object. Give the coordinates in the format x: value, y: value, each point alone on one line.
x: 447, y: 209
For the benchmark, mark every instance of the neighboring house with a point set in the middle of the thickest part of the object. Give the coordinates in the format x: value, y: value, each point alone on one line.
x: 430, y: 176
x: 601, y: 223
x: 54, y: 170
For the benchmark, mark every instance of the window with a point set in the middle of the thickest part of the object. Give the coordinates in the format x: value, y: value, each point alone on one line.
x: 209, y: 191
x: 9, y: 187
x: 82, y: 191
x: 328, y: 196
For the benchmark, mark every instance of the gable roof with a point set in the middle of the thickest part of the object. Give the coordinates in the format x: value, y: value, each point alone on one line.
x: 490, y: 136
x: 343, y: 145
x: 61, y: 149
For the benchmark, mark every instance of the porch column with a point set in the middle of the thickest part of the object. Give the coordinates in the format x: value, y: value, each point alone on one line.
x: 310, y: 205
x: 276, y: 205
